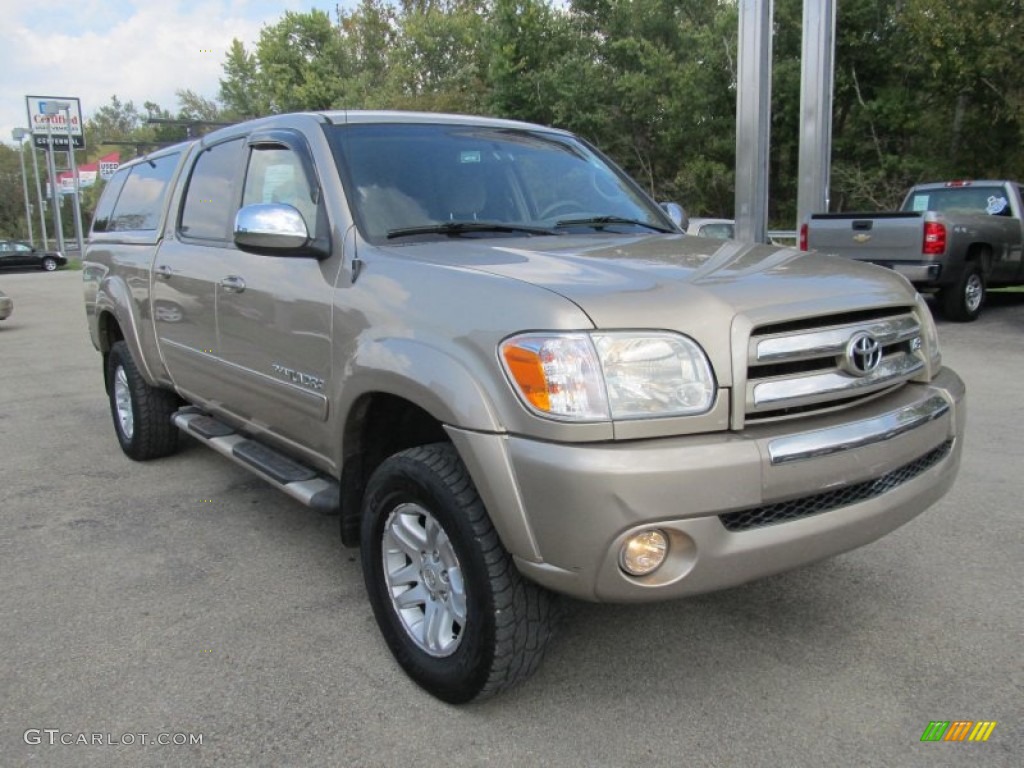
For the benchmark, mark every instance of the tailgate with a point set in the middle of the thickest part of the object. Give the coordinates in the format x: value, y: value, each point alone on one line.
x: 885, y: 237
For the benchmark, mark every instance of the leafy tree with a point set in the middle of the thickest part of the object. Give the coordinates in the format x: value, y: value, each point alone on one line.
x: 240, y: 90
x: 12, y: 200
x: 301, y: 63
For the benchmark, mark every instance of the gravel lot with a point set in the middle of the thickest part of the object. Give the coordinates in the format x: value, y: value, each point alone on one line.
x: 186, y: 597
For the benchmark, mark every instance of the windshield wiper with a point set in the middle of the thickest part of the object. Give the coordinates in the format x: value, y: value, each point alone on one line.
x: 599, y: 222
x: 456, y: 228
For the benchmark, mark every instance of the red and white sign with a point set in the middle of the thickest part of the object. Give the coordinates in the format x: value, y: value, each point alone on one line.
x: 88, y: 173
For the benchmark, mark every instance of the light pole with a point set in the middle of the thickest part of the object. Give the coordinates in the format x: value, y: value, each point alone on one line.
x: 76, y: 201
x: 39, y: 199
x: 19, y: 134
x: 50, y: 109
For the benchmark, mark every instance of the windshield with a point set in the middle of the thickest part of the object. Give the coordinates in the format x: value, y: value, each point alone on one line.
x: 411, y: 181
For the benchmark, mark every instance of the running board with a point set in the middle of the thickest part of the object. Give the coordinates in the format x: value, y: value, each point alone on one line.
x: 297, y: 480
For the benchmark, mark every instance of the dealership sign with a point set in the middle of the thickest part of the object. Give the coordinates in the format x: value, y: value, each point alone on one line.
x: 38, y: 121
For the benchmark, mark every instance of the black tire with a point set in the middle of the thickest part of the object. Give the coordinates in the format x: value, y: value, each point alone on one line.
x: 507, y: 619
x: 49, y: 264
x: 962, y: 301
x: 149, y: 434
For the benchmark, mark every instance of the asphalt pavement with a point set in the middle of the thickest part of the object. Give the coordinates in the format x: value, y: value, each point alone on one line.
x: 184, y: 600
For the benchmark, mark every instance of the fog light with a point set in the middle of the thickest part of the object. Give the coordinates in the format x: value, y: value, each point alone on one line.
x: 643, y: 552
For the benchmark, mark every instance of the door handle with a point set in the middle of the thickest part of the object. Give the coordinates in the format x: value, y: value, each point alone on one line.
x: 233, y: 284
x: 164, y: 272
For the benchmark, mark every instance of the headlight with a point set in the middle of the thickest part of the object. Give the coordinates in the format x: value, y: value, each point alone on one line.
x: 602, y: 375
x: 557, y: 375
x: 929, y: 338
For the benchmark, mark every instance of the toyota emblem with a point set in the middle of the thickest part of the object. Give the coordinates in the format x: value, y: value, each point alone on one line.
x: 863, y: 354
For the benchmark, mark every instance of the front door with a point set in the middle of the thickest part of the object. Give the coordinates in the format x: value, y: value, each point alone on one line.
x: 274, y: 312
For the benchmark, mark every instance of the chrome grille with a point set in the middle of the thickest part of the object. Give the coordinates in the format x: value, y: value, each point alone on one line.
x: 798, y: 370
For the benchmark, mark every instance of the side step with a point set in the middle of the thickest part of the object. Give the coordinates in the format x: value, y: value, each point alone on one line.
x: 297, y: 480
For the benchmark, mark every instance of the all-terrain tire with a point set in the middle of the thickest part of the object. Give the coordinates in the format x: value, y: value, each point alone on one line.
x: 962, y: 301
x: 431, y: 557
x: 141, y: 413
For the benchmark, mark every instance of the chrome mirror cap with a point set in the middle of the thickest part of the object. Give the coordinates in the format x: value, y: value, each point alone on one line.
x: 273, y: 226
x: 677, y: 214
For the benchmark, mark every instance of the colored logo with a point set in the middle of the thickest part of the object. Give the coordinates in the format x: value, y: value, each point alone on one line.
x: 958, y: 730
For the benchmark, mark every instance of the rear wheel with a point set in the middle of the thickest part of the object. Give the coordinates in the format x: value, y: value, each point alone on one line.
x: 457, y: 615
x: 963, y: 300
x: 142, y: 414
x: 49, y: 263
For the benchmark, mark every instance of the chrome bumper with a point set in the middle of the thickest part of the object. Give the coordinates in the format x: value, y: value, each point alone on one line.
x: 919, y: 272
x: 848, y: 437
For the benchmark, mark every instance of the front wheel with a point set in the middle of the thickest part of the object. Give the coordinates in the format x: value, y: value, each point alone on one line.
x: 963, y: 300
x: 50, y: 264
x: 142, y: 414
x: 457, y: 615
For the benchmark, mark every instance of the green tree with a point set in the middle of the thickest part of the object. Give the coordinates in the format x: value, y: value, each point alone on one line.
x: 301, y: 63
x: 12, y: 200
x: 437, y: 59
x: 241, y: 92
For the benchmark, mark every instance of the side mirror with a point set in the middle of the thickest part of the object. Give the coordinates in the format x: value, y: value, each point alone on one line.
x: 678, y: 215
x: 271, y: 227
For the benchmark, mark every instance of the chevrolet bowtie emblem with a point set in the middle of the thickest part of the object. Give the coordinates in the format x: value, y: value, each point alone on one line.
x: 862, y: 238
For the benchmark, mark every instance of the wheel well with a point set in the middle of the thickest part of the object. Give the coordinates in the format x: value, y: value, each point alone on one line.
x: 379, y: 426
x: 109, y: 334
x: 980, y: 254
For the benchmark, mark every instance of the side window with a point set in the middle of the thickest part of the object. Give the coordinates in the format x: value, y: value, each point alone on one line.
x: 209, y: 207
x: 275, y: 175
x: 105, y: 207
x: 139, y: 202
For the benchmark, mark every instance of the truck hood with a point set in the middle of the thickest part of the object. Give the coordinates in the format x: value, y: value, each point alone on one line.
x: 696, y: 286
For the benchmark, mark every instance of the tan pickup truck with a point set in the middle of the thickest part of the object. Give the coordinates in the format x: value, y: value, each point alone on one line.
x: 508, y: 371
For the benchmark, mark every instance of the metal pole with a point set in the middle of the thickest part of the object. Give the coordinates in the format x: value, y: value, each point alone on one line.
x: 55, y: 195
x: 39, y: 198
x: 816, y: 80
x: 18, y: 134
x: 76, y: 203
x: 753, y: 119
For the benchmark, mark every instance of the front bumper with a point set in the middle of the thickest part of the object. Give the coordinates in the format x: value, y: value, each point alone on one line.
x: 568, y: 508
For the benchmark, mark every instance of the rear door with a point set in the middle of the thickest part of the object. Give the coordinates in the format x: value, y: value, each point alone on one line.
x: 188, y: 265
x: 8, y: 256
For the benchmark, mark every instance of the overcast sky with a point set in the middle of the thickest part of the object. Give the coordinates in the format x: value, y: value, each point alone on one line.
x: 141, y: 51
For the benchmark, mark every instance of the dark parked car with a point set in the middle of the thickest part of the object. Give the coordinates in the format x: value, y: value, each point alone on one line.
x: 14, y: 253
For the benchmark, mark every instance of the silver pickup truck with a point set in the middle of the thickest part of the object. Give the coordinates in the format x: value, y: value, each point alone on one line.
x: 508, y: 371
x: 954, y: 238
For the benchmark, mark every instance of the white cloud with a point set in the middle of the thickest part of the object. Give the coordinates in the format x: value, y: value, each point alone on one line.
x: 140, y: 52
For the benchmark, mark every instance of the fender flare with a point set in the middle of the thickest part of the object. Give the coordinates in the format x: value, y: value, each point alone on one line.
x: 426, y: 376
x: 113, y: 297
